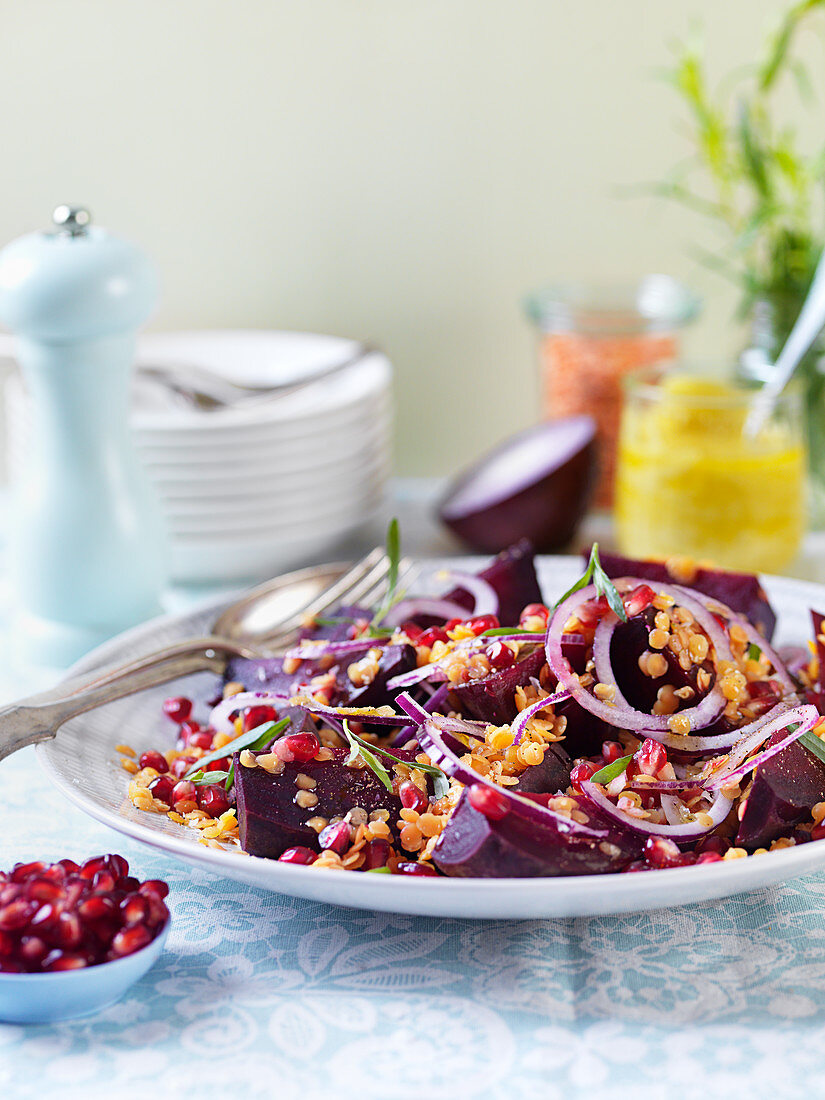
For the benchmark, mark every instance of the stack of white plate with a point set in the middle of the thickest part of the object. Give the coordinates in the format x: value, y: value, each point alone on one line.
x: 253, y: 488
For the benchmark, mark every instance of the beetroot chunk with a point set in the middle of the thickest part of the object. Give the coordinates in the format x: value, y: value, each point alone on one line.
x: 785, y: 789
x: 493, y: 699
x: 513, y: 577
x: 473, y: 845
x: 269, y: 819
x: 742, y: 592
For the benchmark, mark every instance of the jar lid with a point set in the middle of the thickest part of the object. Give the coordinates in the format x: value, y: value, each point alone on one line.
x: 74, y: 281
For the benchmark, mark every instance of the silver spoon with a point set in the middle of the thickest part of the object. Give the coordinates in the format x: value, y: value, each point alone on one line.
x: 257, y: 625
x: 809, y: 324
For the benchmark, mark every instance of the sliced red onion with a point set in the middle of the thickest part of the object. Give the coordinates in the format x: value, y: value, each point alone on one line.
x: 620, y: 713
x: 431, y: 705
x: 519, y: 725
x: 718, y: 811
x: 807, y: 716
x: 432, y: 672
x: 782, y: 674
x: 360, y: 714
x: 219, y: 718
x: 431, y: 741
x: 469, y: 727
x: 714, y: 742
x: 443, y: 610
x: 485, y: 596
x: 675, y: 809
x: 310, y: 650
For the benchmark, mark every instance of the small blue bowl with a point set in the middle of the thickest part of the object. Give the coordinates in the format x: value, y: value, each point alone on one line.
x: 64, y: 994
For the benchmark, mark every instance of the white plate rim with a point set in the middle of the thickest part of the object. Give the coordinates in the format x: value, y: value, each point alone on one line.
x: 580, y: 895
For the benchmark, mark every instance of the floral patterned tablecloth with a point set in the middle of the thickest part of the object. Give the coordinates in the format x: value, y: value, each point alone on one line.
x: 260, y: 995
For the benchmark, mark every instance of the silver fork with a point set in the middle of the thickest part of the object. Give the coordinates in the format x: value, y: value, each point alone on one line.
x: 251, y: 628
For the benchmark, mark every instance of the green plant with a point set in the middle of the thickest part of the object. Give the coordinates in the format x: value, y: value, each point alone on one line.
x: 747, y: 171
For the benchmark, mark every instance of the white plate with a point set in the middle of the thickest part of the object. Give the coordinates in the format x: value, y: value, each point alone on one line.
x: 83, y: 763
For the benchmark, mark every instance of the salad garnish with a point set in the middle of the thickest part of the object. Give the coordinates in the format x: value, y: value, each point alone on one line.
x: 604, y: 586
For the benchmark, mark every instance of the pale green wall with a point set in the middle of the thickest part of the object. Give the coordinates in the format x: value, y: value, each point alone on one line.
x: 399, y: 170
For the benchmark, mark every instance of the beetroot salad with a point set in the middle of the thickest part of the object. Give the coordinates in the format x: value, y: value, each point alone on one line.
x: 641, y: 720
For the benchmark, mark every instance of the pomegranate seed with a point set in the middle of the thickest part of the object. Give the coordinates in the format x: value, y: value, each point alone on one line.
x: 158, y: 913
x: 45, y: 917
x: 482, y: 623
x: 199, y: 739
x: 660, y: 852
x: 592, y: 612
x: 134, y: 909
x: 32, y: 950
x: 129, y: 940
x: 154, y: 760
x: 337, y: 837
x: 413, y: 632
x: 488, y: 801
x: 213, y: 800
x: 182, y: 765
x: 612, y: 751
x: 96, y: 908
x: 178, y: 709
x: 43, y: 889
x: 638, y: 600
x: 161, y: 788
x: 258, y: 716
x: 817, y: 833
x: 581, y: 773
x: 650, y: 757
x: 416, y: 869
x: 67, y: 931
x: 154, y: 886
x: 376, y: 854
x: 11, y: 966
x: 298, y: 855
x: 6, y: 944
x: 429, y: 637
x: 16, y: 915
x: 717, y: 844
x: 709, y: 857
x: 21, y: 871
x: 90, y: 868
x: 412, y: 798
x: 184, y: 791
x: 220, y: 765
x: 451, y: 624
x: 69, y: 866
x: 300, y: 747
x: 500, y: 655
x: 534, y: 611
x: 103, y: 882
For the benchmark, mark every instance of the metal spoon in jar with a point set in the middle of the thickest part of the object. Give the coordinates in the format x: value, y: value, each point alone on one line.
x: 809, y: 324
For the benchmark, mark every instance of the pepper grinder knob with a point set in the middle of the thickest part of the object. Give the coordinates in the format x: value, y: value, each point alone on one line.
x: 86, y: 548
x: 73, y: 220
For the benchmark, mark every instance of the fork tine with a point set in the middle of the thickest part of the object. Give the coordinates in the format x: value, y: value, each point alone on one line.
x: 373, y: 596
x: 364, y: 575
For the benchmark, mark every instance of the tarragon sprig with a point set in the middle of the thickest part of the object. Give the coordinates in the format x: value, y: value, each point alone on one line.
x: 358, y: 745
x: 604, y: 586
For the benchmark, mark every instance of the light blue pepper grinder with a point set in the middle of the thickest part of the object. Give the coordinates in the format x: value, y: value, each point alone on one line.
x: 85, y: 538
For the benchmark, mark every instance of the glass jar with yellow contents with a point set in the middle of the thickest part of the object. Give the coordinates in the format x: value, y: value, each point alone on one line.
x: 691, y: 481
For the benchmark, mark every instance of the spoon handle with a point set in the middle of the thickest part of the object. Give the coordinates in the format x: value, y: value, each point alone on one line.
x: 808, y: 326
x: 38, y: 717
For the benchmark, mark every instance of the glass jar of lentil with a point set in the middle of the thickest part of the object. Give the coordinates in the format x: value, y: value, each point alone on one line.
x: 591, y: 336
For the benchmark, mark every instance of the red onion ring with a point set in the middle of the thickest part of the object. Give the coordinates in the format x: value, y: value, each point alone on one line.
x: 621, y: 714
x: 443, y: 610
x: 738, y: 764
x: 519, y: 724
x: 430, y: 740
x: 485, y: 596
x: 718, y: 811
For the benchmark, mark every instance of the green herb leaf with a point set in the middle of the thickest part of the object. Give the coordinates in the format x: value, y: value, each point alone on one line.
x: 379, y: 871
x: 501, y: 631
x: 754, y: 652
x: 394, y: 555
x: 204, y: 779
x: 604, y: 586
x: 358, y: 748
x: 813, y: 744
x: 441, y: 784
x: 610, y: 771
x: 252, y: 739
